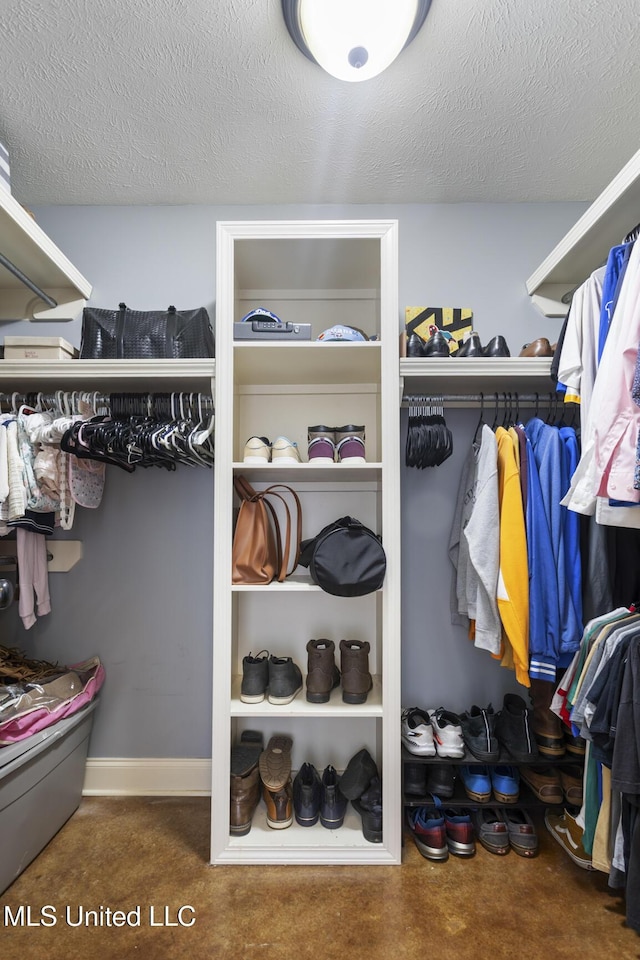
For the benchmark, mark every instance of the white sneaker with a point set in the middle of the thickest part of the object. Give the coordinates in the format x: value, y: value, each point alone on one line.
x: 284, y: 451
x: 417, y: 733
x: 257, y: 450
x: 447, y: 733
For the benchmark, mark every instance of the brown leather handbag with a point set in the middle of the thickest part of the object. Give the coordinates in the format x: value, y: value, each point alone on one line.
x: 260, y: 553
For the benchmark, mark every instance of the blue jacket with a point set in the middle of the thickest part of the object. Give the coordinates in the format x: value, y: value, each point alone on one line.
x: 544, y: 610
x: 553, y: 471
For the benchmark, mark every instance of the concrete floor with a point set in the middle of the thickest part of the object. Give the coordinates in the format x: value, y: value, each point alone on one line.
x: 123, y: 853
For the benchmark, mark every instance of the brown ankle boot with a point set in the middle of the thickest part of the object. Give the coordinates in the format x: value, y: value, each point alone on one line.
x: 354, y: 666
x: 547, y: 728
x: 322, y: 672
x: 279, y: 806
x: 245, y: 797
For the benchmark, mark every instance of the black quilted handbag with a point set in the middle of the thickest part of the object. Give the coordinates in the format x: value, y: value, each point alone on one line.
x: 125, y: 334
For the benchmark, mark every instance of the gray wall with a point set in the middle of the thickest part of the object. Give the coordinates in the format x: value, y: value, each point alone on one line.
x: 141, y: 596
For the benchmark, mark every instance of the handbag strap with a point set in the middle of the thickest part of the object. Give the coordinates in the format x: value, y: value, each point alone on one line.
x: 122, y: 310
x: 283, y: 486
x: 172, y: 327
x: 243, y: 488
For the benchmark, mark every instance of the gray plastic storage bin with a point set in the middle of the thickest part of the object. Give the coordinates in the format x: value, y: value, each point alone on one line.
x: 41, y: 782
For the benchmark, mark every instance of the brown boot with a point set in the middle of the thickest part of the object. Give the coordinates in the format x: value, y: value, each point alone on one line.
x: 279, y: 806
x: 322, y: 672
x: 547, y: 728
x: 354, y: 666
x: 245, y: 797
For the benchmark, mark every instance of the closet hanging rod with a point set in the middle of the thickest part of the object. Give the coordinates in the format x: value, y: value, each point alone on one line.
x: 471, y: 399
x: 13, y: 559
x: 33, y: 397
x: 17, y: 272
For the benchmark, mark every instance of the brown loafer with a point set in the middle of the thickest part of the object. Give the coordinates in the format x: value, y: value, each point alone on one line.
x: 571, y: 779
x: 537, y: 348
x: 544, y: 782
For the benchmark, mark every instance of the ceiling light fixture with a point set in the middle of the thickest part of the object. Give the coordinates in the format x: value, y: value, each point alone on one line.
x: 353, y: 39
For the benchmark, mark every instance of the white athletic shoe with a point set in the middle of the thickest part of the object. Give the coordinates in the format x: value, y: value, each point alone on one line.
x: 417, y: 732
x: 447, y: 733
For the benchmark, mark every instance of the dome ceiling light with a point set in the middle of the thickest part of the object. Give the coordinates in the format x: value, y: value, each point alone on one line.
x: 354, y: 39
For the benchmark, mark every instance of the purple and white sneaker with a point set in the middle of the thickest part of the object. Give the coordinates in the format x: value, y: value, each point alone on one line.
x: 322, y: 445
x: 350, y: 444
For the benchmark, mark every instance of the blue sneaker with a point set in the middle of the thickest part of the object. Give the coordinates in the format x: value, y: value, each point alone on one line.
x: 505, y: 781
x: 477, y: 781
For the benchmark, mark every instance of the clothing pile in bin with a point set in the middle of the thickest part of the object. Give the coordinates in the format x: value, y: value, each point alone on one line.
x: 35, y: 693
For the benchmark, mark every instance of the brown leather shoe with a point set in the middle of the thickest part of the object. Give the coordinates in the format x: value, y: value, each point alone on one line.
x: 544, y: 782
x: 322, y: 673
x: 354, y: 666
x: 279, y: 806
x: 245, y: 797
x: 537, y: 348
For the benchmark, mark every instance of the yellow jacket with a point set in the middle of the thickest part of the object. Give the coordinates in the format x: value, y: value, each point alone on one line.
x: 513, y: 579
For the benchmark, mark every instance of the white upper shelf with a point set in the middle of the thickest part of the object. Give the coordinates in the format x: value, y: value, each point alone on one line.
x: 586, y: 246
x: 143, y: 376
x: 473, y: 375
x: 28, y: 248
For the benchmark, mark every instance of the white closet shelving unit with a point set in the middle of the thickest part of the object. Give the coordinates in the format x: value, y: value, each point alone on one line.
x: 586, y: 246
x: 320, y: 272
x: 471, y: 375
x: 35, y: 255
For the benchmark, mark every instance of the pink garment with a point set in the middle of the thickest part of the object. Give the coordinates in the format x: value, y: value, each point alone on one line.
x: 91, y: 674
x: 616, y: 417
x: 33, y: 575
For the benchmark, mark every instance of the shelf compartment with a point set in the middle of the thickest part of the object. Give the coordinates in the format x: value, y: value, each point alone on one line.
x: 305, y: 844
x: 300, y: 707
x: 309, y: 363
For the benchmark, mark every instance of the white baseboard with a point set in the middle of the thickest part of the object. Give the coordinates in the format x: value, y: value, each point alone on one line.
x: 146, y: 776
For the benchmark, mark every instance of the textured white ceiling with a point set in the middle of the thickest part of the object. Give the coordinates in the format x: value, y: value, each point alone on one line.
x: 209, y: 101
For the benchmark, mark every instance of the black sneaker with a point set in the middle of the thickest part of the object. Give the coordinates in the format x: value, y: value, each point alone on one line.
x: 255, y: 677
x: 334, y: 803
x: 513, y: 729
x: 285, y: 680
x: 307, y: 795
x: 478, y: 731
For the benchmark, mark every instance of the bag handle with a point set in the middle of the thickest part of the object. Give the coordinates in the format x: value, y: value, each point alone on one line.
x: 283, y: 486
x: 243, y: 488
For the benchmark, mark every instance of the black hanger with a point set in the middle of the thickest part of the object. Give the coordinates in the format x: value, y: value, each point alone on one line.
x: 480, y: 419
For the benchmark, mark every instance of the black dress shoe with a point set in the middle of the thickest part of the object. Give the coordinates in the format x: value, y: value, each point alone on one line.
x: 415, y: 346
x: 497, y: 347
x: 471, y: 347
x: 436, y: 346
